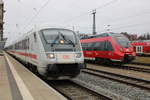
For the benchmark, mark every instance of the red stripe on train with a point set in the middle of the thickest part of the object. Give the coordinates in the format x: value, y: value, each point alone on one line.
x: 34, y: 56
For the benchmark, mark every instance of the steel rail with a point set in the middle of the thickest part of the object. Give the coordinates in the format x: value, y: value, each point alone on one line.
x: 75, y: 91
x: 140, y: 83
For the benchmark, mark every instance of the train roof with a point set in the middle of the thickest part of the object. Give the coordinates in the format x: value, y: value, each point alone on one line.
x: 102, y: 35
x: 37, y: 28
x: 140, y: 41
x: 46, y: 26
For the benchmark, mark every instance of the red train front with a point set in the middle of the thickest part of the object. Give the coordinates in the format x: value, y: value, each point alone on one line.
x: 141, y: 48
x: 108, y: 47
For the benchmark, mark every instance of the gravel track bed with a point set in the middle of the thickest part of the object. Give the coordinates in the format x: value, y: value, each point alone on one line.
x: 115, y: 90
x: 75, y: 91
x: 142, y: 61
x: 140, y: 68
x: 134, y: 67
x: 129, y: 73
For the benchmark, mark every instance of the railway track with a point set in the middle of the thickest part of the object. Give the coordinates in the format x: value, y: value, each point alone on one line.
x: 74, y: 91
x: 142, y: 60
x: 140, y: 83
x: 140, y: 63
x: 144, y: 55
x: 134, y: 67
x: 137, y: 68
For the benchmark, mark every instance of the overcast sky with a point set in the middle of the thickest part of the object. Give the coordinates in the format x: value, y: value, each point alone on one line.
x: 131, y: 16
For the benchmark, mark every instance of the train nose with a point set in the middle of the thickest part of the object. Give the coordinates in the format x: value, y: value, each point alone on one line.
x: 128, y: 50
x: 65, y: 57
x: 128, y: 58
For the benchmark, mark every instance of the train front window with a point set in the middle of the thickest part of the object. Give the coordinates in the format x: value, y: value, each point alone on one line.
x: 59, y: 36
x: 123, y: 41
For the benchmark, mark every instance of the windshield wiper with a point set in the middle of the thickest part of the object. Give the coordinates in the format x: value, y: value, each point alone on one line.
x: 68, y: 40
x: 54, y: 42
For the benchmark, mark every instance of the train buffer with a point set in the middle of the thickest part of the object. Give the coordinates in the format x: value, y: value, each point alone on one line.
x: 18, y: 83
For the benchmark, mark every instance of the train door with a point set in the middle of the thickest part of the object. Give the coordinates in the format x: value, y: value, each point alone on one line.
x: 139, y: 49
x: 33, y: 48
x: 36, y: 46
x: 26, y: 48
x: 97, y: 50
x: 89, y: 52
x: 30, y: 48
x: 109, y: 50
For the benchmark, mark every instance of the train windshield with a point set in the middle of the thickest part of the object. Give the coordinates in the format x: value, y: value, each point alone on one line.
x: 122, y: 40
x: 59, y: 36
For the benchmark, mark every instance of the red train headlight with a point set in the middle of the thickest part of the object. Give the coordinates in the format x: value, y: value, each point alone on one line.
x: 121, y: 49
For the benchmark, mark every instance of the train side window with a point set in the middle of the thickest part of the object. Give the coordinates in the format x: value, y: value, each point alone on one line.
x: 84, y: 46
x: 109, y: 46
x: 19, y: 45
x: 99, y: 46
x: 16, y: 46
x: 28, y: 42
x: 25, y: 44
x: 90, y: 48
x: 96, y: 46
x: 102, y: 46
x: 22, y: 44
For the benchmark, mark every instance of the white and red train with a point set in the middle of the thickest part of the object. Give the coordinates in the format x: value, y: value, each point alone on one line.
x: 141, y: 47
x: 54, y: 53
x: 108, y: 47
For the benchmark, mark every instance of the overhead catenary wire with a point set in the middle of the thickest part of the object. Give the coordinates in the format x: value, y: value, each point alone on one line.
x: 37, y: 13
x: 117, y: 20
x: 87, y: 13
x: 106, y: 4
x: 83, y: 14
x: 117, y: 28
x: 132, y: 16
x: 125, y: 26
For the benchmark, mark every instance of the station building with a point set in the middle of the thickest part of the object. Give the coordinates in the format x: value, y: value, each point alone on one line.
x: 2, y: 40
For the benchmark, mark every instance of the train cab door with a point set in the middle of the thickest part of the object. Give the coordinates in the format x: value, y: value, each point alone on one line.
x: 33, y: 48
x: 108, y: 50
x: 99, y: 51
x: 36, y: 46
x: 26, y: 48
x: 139, y: 49
x: 90, y: 52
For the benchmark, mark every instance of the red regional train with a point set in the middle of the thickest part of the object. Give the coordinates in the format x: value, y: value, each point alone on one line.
x: 108, y: 48
x: 141, y: 47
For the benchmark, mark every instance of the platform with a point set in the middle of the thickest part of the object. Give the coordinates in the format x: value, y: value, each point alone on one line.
x: 18, y: 83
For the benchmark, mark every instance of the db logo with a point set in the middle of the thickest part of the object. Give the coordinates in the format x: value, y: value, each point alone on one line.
x: 66, y: 57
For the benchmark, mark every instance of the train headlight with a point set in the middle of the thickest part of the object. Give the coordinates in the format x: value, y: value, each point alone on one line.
x: 78, y: 55
x: 61, y: 41
x: 50, y: 55
x: 121, y: 49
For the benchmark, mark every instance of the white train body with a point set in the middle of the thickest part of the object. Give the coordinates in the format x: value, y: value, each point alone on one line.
x: 52, y: 52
